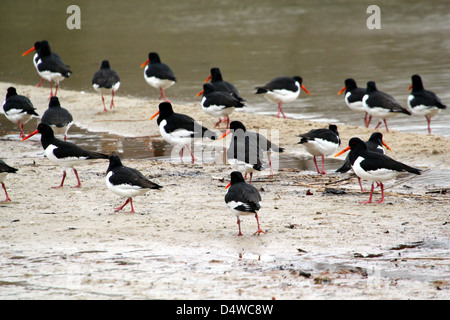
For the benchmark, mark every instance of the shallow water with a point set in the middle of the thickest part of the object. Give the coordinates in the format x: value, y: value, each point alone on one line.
x: 252, y: 42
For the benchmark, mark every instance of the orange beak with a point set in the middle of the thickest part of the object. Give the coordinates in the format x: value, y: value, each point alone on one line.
x: 145, y: 63
x: 341, y: 152
x: 157, y: 112
x: 209, y: 78
x: 28, y: 51
x: 223, y: 136
x: 384, y: 144
x: 228, y: 185
x: 30, y: 135
x: 200, y: 93
x: 304, y: 89
x: 410, y: 87
x: 342, y: 90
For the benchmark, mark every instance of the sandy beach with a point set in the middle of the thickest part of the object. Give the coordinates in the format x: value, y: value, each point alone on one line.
x: 320, y: 242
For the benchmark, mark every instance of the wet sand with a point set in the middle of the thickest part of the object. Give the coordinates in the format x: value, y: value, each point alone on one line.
x: 320, y: 242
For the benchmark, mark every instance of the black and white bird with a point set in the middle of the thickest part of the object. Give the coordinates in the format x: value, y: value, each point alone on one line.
x: 49, y: 66
x: 282, y: 90
x: 381, y: 105
x: 321, y: 142
x: 4, y: 171
x: 180, y: 130
x: 244, y: 154
x: 353, y: 97
x: 57, y: 117
x: 158, y: 74
x: 423, y: 102
x: 126, y: 182
x: 373, y: 166
x: 106, y: 81
x: 243, y: 199
x: 374, y: 144
x: 219, y: 104
x: 255, y: 139
x: 222, y: 85
x: 63, y: 153
x: 18, y: 109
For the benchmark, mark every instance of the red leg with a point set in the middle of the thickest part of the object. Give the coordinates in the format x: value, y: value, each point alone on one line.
x: 360, y: 184
x: 6, y: 193
x: 270, y: 165
x: 385, y: 124
x: 315, y: 162
x: 239, y: 224
x: 251, y: 176
x: 370, y: 198
x: 429, y: 124
x: 121, y: 207
x: 368, y: 121
x: 112, y: 100
x: 62, y: 181
x: 382, y: 193
x: 22, y: 134
x: 323, y: 165
x: 163, y: 95
x: 39, y: 84
x: 103, y: 100
x: 259, y: 231
x: 378, y: 125
x: 78, y: 178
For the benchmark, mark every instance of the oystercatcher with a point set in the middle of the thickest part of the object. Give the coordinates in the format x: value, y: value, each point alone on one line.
x: 4, y: 171
x: 381, y: 105
x: 255, y: 140
x: 126, y: 182
x: 373, y: 166
x: 158, y: 74
x: 63, y: 153
x: 18, y: 109
x: 243, y: 199
x: 423, y: 102
x: 282, y: 90
x: 57, y: 117
x: 106, y: 80
x: 49, y: 66
x: 353, y: 97
x: 179, y: 129
x: 222, y: 85
x: 374, y: 144
x: 219, y: 104
x: 321, y: 142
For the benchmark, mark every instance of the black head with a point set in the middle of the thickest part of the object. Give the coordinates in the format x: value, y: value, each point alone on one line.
x: 376, y: 137
x: 54, y: 102
x: 416, y: 82
x: 208, y: 88
x: 153, y: 57
x: 114, y: 162
x: 356, y: 143
x: 165, y: 110
x: 371, y: 86
x: 37, y: 46
x: 105, y: 65
x: 44, y: 49
x: 333, y: 127
x: 236, y: 177
x: 216, y: 75
x: 298, y: 79
x: 350, y: 84
x: 11, y: 92
x: 235, y: 125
